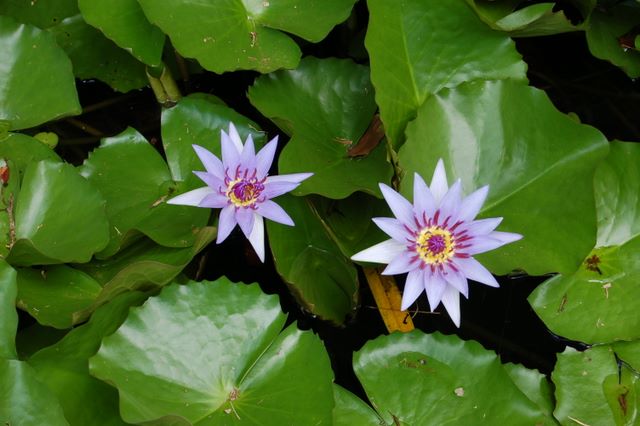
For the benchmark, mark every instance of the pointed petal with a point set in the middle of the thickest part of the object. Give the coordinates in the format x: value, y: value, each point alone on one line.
x: 481, y: 227
x: 471, y: 205
x: 482, y: 244
x: 274, y: 212
x: 434, y: 285
x: 401, y: 208
x: 383, y: 252
x: 210, y: 162
x: 450, y: 204
x: 505, y: 237
x: 474, y: 270
x: 400, y: 264
x: 235, y: 137
x: 394, y: 228
x: 451, y: 302
x: 191, y: 198
x: 244, y: 217
x: 264, y: 159
x: 248, y: 156
x: 213, y: 181
x: 214, y: 201
x: 257, y: 236
x: 413, y: 287
x: 274, y: 189
x: 230, y: 154
x: 294, y: 177
x: 423, y: 201
x: 457, y: 280
x: 439, y: 184
x: 226, y: 223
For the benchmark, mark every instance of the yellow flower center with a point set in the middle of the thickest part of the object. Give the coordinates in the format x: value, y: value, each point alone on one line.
x: 244, y: 192
x: 435, y: 245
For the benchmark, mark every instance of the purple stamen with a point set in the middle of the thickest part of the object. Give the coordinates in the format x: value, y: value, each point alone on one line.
x: 436, y: 244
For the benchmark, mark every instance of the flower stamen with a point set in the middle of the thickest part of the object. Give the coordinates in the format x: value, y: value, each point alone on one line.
x: 435, y: 245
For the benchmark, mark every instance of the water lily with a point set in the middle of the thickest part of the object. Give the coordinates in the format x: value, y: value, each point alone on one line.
x: 240, y: 185
x: 434, y: 241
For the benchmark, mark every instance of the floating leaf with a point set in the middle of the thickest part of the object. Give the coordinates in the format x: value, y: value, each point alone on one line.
x: 135, y: 181
x: 23, y: 149
x: 198, y: 119
x: 95, y: 56
x: 220, y: 360
x: 59, y: 217
x: 24, y: 400
x: 604, y: 29
x: 64, y: 366
x: 142, y: 266
x: 8, y: 314
x: 598, y: 303
x: 351, y: 410
x: 592, y: 390
x: 42, y: 14
x: 36, y: 81
x: 319, y: 276
x: 55, y: 295
x: 533, y: 384
x: 235, y: 34
x: 418, y: 47
x: 326, y: 105
x: 538, y: 161
x: 124, y: 23
x: 416, y: 378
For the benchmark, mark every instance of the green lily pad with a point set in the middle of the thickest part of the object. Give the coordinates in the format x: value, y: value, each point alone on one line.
x: 55, y: 295
x: 124, y: 22
x: 533, y: 384
x: 23, y: 150
x: 24, y: 400
x: 59, y: 217
x: 599, y: 302
x: 42, y: 14
x: 591, y: 388
x: 198, y: 119
x: 419, y: 379
x: 95, y: 56
x: 419, y: 47
x: 538, y: 162
x: 143, y: 266
x: 238, y: 34
x: 64, y: 366
x: 531, y: 21
x: 36, y: 82
x: 8, y: 314
x: 221, y: 360
x: 603, y: 30
x: 326, y: 105
x: 135, y: 181
x: 351, y: 410
x: 322, y: 280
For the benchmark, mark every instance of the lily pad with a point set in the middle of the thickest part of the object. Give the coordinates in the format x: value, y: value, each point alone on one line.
x: 592, y: 389
x: 604, y: 29
x: 124, y: 22
x: 238, y: 34
x: 322, y: 280
x: 24, y: 400
x: 95, y: 56
x: 59, y: 217
x: 22, y: 150
x: 538, y: 162
x: 415, y: 379
x: 326, y: 105
x: 42, y: 14
x: 351, y: 410
x: 55, y: 295
x: 64, y: 366
x: 418, y: 47
x: 8, y: 314
x: 198, y: 119
x: 49, y: 91
x: 599, y: 302
x: 135, y: 181
x: 221, y: 360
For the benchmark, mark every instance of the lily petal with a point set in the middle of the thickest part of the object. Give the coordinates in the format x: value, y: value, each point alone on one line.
x: 274, y: 189
x: 482, y: 244
x: 211, y: 180
x: 226, y: 223
x: 505, y: 237
x: 424, y: 203
x: 264, y: 158
x: 191, y: 198
x: 401, y: 208
x: 210, y: 162
x: 474, y: 270
x: 257, y: 236
x: 471, y: 205
x: 450, y: 203
x: 394, y: 228
x: 293, y: 177
x: 245, y: 220
x: 451, y: 302
x: 273, y: 211
x: 434, y: 285
x: 482, y: 226
x: 413, y: 287
x: 383, y: 252
x: 248, y: 156
x: 400, y: 264
x: 214, y: 200
x: 459, y: 281
x: 439, y: 184
x: 230, y: 154
x: 235, y: 138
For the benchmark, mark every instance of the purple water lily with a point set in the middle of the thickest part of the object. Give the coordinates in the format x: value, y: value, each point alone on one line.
x: 241, y: 187
x: 434, y: 241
